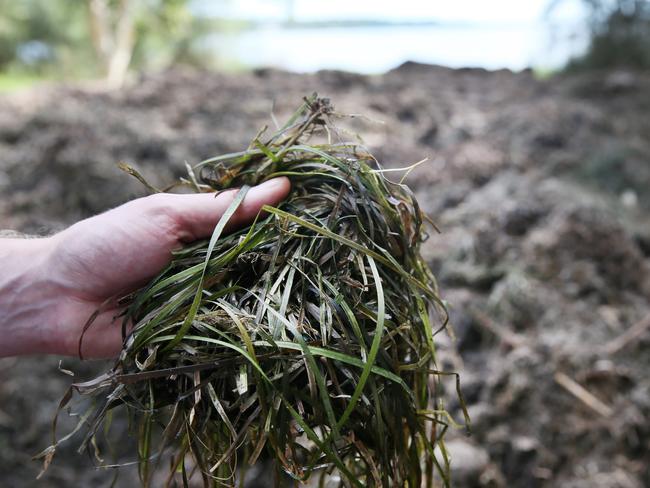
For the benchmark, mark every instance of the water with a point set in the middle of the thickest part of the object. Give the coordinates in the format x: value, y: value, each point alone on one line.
x: 376, y: 49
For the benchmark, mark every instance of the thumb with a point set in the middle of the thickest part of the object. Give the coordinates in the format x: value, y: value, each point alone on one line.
x: 199, y: 213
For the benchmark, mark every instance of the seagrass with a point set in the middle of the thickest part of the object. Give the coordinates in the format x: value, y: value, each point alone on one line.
x: 307, y: 337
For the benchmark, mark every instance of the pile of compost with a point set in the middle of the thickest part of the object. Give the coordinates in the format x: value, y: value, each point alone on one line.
x: 538, y: 188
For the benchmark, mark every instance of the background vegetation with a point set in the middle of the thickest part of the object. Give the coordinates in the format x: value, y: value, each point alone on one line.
x: 100, y: 38
x: 619, y: 35
x: 68, y: 39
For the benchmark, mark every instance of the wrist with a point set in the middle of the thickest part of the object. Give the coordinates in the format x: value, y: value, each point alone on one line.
x: 28, y: 297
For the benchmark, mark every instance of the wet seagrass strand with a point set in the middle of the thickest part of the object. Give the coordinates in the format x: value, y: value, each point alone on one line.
x: 306, y: 336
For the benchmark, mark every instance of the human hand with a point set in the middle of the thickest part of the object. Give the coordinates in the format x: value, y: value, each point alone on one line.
x: 67, y: 277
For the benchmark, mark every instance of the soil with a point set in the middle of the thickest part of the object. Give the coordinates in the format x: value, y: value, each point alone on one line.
x: 539, y: 188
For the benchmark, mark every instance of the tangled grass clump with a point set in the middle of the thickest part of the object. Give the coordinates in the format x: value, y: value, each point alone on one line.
x: 307, y: 335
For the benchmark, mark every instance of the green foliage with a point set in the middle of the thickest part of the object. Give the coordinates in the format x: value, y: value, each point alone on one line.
x: 620, y: 35
x: 38, y: 24
x: 54, y: 37
x: 166, y: 32
x: 10, y: 82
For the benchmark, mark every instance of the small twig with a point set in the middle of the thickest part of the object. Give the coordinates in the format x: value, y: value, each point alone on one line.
x: 583, y: 395
x: 509, y: 338
x: 623, y: 340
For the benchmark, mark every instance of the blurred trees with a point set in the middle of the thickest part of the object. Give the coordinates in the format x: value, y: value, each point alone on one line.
x: 95, y: 37
x: 104, y: 38
x: 31, y: 34
x: 619, y: 35
x: 112, y: 31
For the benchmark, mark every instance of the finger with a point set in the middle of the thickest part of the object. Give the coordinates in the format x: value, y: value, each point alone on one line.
x: 198, y: 214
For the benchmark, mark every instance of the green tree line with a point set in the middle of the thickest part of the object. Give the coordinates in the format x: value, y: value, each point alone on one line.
x: 106, y: 38
x: 92, y: 38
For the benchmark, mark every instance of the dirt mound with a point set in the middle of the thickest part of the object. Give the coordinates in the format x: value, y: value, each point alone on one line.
x: 539, y: 188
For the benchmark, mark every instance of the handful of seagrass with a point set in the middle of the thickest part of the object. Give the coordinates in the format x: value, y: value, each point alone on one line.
x: 306, y: 337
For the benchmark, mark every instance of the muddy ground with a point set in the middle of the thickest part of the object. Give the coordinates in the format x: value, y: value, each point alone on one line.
x: 540, y: 188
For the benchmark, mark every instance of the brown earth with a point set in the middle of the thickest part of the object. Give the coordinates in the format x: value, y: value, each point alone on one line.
x: 540, y: 188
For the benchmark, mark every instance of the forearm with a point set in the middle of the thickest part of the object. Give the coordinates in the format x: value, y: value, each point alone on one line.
x: 28, y: 297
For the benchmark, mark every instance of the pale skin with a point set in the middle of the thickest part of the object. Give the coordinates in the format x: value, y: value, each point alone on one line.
x: 49, y: 287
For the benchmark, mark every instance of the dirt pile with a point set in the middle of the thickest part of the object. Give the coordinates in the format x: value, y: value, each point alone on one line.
x: 539, y: 188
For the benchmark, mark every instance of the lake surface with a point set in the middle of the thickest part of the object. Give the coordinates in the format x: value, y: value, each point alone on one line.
x: 376, y: 49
